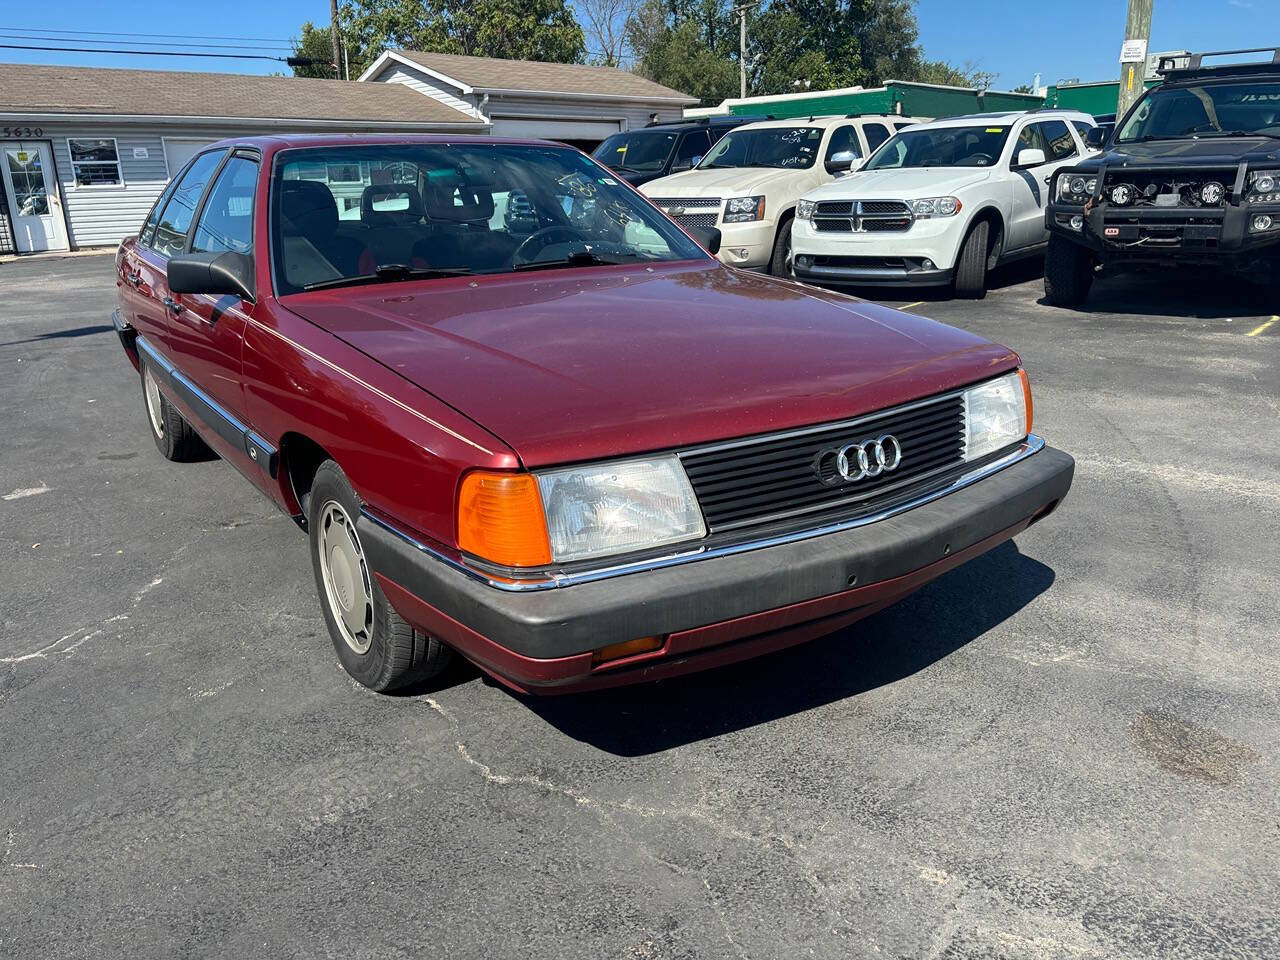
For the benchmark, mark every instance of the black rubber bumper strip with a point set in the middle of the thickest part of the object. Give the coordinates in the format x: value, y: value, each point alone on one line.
x: 569, y: 620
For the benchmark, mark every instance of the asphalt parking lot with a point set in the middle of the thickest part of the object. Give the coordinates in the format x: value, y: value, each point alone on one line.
x: 1067, y: 748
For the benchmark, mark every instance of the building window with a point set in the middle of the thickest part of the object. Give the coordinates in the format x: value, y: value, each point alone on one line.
x: 95, y: 163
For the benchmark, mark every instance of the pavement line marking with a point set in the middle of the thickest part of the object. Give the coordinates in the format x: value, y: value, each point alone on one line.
x: 1261, y: 328
x: 26, y: 492
x: 908, y: 306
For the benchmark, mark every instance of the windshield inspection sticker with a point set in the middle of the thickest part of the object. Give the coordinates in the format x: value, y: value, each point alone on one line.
x: 995, y: 129
x: 609, y: 181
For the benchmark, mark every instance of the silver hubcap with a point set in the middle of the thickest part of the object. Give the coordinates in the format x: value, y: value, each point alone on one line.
x: 153, y: 401
x: 347, y: 587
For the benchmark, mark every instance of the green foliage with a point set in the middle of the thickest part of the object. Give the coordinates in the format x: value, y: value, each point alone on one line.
x: 315, y: 43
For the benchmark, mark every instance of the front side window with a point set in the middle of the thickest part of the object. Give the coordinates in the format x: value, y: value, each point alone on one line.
x: 171, y: 231
x: 693, y: 147
x: 95, y: 163
x: 976, y: 146
x: 1238, y: 109
x: 226, y: 223
x: 783, y: 148
x: 1061, y: 144
x: 641, y: 151
x: 843, y: 140
x: 432, y: 210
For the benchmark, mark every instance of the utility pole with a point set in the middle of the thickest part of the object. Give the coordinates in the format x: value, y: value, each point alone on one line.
x: 1133, y: 55
x: 741, y: 11
x: 337, y: 40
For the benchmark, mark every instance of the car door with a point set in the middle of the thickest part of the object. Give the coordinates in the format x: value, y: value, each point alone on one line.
x: 1031, y: 184
x: 206, y: 333
x: 145, y: 267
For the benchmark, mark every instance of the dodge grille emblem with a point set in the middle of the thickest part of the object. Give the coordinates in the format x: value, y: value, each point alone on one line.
x: 853, y: 461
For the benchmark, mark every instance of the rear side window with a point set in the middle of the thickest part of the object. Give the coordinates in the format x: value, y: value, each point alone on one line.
x: 876, y: 134
x: 1059, y: 140
x: 171, y: 231
x: 149, y: 228
x: 226, y: 223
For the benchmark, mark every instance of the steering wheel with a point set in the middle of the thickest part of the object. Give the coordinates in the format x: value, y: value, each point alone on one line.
x: 544, y: 235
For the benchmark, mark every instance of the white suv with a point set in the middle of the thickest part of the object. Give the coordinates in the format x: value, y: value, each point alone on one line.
x: 748, y: 183
x: 941, y: 202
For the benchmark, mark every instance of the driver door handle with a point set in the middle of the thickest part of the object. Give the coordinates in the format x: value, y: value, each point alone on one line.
x: 174, y: 306
x: 134, y: 278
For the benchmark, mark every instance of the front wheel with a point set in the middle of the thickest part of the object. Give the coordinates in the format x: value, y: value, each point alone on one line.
x: 1068, y: 272
x: 374, y: 644
x: 971, y: 265
x: 780, y: 262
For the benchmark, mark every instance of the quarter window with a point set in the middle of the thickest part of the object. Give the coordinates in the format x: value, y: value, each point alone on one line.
x: 1058, y: 137
x: 226, y: 224
x: 95, y: 163
x: 171, y: 231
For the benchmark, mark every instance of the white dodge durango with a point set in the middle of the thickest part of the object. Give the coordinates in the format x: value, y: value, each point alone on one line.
x: 939, y: 203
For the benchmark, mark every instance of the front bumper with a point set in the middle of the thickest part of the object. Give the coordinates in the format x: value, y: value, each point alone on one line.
x: 1218, y: 235
x: 716, y: 609
x: 747, y: 245
x: 878, y: 258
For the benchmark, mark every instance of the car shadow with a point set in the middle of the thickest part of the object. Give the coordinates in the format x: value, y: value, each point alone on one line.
x: 902, y: 640
x: 1188, y: 293
x: 64, y: 334
x: 1006, y: 275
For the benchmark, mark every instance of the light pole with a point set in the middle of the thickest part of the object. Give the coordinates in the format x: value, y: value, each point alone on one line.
x: 1133, y: 55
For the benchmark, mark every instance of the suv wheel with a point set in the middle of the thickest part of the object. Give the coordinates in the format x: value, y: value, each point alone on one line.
x: 374, y: 645
x: 780, y: 263
x: 174, y: 437
x: 1068, y: 273
x: 971, y: 265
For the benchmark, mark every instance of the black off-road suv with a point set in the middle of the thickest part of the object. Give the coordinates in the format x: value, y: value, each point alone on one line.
x: 1191, y: 175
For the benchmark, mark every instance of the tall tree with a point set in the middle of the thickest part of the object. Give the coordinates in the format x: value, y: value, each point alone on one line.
x: 314, y: 44
x: 604, y: 22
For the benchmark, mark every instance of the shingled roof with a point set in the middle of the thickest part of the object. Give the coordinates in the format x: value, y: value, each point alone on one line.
x: 32, y: 89
x: 487, y: 75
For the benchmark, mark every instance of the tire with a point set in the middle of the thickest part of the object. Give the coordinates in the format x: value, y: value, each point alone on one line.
x: 971, y: 265
x: 1068, y: 273
x: 174, y: 437
x: 780, y: 262
x: 375, y: 646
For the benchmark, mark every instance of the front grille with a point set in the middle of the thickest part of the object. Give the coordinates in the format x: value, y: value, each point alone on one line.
x: 686, y: 202
x: 775, y: 476
x: 1161, y: 188
x: 844, y: 225
x: 899, y: 223
x: 696, y: 219
x: 883, y: 206
x: 861, y: 216
x: 834, y: 208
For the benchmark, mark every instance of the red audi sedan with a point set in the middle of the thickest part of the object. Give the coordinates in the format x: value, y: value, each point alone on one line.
x: 525, y: 418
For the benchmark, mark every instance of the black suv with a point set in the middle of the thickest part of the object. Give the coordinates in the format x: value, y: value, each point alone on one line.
x: 639, y: 156
x: 1191, y: 175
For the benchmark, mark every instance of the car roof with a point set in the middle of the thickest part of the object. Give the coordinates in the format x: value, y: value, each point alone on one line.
x: 824, y: 121
x: 699, y: 124
x: 1009, y: 117
x: 274, y: 142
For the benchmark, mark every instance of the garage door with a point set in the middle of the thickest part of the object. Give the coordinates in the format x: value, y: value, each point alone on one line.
x: 178, y: 150
x: 552, y: 129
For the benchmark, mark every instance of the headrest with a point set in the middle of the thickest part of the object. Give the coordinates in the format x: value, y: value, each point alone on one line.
x: 378, y: 192
x: 461, y: 204
x: 308, y: 207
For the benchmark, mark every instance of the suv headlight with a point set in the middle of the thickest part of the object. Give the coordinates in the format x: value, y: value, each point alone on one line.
x: 996, y: 414
x: 935, y: 207
x: 1075, y: 187
x: 744, y: 209
x: 576, y: 513
x: 804, y: 209
x: 1264, y: 186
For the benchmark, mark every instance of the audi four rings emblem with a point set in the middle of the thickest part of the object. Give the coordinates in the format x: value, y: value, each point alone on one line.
x: 853, y: 461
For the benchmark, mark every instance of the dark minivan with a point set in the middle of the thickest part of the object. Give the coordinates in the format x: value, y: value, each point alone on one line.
x: 657, y: 150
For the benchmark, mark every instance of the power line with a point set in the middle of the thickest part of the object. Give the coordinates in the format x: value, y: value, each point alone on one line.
x: 292, y: 61
x: 110, y: 33
x: 148, y: 43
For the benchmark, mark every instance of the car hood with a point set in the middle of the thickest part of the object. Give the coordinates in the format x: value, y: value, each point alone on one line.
x: 909, y: 184
x: 1226, y: 152
x: 730, y: 182
x: 582, y: 364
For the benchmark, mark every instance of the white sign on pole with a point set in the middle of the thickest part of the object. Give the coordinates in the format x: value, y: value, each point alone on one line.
x: 1133, y: 51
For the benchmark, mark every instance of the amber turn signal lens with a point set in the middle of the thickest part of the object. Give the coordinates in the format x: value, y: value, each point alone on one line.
x: 627, y: 648
x: 500, y: 519
x: 1026, y: 394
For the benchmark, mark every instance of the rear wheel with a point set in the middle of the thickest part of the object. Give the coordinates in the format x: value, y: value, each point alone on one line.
x: 174, y: 437
x: 971, y: 266
x: 374, y: 644
x: 780, y: 262
x: 1068, y: 273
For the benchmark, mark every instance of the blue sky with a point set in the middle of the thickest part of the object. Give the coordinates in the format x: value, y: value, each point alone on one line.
x: 1014, y: 39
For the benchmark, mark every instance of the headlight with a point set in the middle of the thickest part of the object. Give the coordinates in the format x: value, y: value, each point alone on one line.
x: 1264, y: 186
x: 804, y: 209
x: 935, y: 207
x: 607, y: 508
x: 1074, y: 188
x: 996, y: 414
x: 743, y: 209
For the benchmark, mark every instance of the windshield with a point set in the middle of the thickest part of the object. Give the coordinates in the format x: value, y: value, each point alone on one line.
x: 787, y: 148
x: 371, y: 213
x: 941, y: 147
x: 636, y: 151
x: 1209, y: 110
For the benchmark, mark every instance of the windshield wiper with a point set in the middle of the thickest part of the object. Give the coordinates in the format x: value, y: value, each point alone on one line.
x: 580, y: 258
x: 389, y: 272
x: 1219, y: 134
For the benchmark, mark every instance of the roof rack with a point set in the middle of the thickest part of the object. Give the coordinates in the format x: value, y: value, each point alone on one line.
x: 1194, y: 62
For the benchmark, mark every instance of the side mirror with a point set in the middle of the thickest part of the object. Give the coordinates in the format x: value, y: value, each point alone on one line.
x: 1029, y: 157
x: 709, y: 237
x: 213, y: 274
x: 1095, y: 138
x: 841, y: 161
